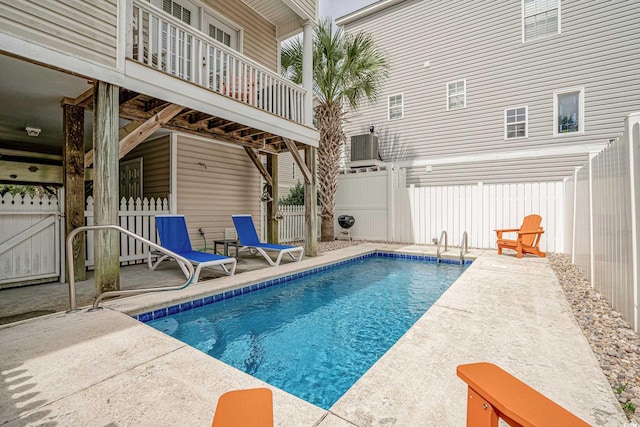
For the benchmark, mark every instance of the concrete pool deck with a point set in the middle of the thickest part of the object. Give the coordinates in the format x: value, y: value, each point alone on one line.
x: 105, y: 368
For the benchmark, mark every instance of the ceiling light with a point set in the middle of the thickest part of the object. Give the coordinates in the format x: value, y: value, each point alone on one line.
x: 33, y: 131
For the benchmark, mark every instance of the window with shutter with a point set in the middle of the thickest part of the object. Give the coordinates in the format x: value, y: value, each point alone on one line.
x: 540, y: 18
x: 177, y: 10
x: 220, y: 35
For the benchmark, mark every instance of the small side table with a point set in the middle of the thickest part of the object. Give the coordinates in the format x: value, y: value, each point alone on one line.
x: 225, y: 244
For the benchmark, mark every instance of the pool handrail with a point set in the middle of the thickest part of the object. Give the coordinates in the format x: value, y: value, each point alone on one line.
x: 443, y: 234
x: 464, y: 247
x: 99, y: 298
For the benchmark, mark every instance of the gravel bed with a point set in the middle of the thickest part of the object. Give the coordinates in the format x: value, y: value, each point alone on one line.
x: 614, y: 343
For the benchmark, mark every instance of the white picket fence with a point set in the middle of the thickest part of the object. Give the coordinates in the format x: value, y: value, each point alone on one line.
x: 603, y: 221
x: 385, y: 209
x: 29, y: 240
x: 137, y: 216
x: 291, y: 226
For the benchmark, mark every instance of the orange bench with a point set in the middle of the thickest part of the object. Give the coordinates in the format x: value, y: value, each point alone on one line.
x: 244, y: 408
x: 494, y: 393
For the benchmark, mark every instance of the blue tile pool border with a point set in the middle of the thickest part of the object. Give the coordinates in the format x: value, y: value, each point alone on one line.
x: 210, y: 299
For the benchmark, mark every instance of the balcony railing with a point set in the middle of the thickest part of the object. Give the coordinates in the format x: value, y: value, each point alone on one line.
x: 167, y: 44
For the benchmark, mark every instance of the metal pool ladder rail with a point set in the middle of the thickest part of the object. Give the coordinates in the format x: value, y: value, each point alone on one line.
x: 443, y: 234
x: 99, y: 298
x: 464, y: 247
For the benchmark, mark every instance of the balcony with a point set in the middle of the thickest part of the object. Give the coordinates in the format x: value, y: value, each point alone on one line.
x: 166, y: 44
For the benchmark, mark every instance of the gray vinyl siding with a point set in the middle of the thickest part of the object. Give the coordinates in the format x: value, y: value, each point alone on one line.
x: 481, y: 42
x: 288, y: 173
x: 86, y: 29
x: 554, y: 168
x: 208, y: 195
x: 155, y: 166
x: 259, y: 35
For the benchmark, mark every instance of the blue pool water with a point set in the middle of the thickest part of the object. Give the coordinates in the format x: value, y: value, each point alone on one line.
x: 316, y: 335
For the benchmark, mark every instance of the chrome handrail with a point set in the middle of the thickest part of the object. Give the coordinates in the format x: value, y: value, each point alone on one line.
x: 444, y: 233
x: 72, y: 282
x: 464, y: 243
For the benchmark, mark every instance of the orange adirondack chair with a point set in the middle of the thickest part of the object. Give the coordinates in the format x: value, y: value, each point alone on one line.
x: 529, y: 235
x: 244, y: 408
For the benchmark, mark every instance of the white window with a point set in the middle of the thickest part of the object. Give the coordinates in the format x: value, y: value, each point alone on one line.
x: 456, y: 95
x: 568, y: 111
x: 515, y: 123
x: 540, y: 18
x: 395, y: 107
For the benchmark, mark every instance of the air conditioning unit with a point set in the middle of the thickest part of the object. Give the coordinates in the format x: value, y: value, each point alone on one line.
x: 364, y: 147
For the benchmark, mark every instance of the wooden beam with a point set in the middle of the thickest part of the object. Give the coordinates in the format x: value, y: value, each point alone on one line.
x: 310, y: 205
x: 30, y: 173
x: 8, y: 152
x: 73, y: 150
x: 137, y: 131
x: 145, y: 130
x: 79, y: 101
x: 293, y: 149
x: 124, y: 131
x: 106, y: 187
x: 272, y: 206
x: 256, y: 161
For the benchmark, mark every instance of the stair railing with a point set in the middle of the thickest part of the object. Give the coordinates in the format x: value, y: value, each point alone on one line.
x: 99, y: 298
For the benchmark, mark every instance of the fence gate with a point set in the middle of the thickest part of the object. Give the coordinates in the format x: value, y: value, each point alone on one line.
x: 29, y: 240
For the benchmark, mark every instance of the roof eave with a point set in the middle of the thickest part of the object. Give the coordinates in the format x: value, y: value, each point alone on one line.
x: 365, y: 11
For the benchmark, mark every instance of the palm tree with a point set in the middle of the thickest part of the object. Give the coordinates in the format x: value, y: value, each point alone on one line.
x: 348, y: 70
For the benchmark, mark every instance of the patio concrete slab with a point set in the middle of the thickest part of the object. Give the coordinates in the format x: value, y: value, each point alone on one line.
x: 105, y: 368
x: 502, y: 310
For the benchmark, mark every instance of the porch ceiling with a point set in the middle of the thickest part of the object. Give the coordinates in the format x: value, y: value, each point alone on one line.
x: 137, y: 106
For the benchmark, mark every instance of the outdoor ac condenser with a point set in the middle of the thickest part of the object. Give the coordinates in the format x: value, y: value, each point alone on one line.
x: 364, y: 147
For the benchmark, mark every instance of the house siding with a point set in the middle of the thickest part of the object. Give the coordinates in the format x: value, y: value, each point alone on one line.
x: 481, y: 42
x: 259, y: 35
x: 84, y: 29
x: 215, y: 181
x: 308, y: 6
x: 155, y: 166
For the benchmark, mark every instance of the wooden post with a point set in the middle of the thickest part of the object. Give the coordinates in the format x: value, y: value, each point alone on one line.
x: 311, y: 205
x: 272, y: 206
x: 73, y: 180
x: 106, y: 187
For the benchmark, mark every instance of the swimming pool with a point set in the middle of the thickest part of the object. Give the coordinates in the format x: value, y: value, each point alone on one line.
x: 317, y: 332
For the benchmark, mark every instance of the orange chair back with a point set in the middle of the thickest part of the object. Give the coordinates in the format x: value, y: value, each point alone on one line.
x: 530, y: 223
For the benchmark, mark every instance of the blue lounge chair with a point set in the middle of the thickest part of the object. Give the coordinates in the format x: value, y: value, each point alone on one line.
x: 249, y: 239
x: 172, y: 230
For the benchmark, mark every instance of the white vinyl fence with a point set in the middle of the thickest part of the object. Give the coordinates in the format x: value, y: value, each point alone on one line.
x: 137, y: 216
x: 604, y: 223
x: 29, y: 240
x: 385, y: 209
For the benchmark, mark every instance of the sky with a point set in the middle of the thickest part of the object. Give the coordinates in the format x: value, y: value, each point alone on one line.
x: 337, y: 8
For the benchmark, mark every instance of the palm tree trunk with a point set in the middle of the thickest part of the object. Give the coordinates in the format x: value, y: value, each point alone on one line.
x: 330, y: 119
